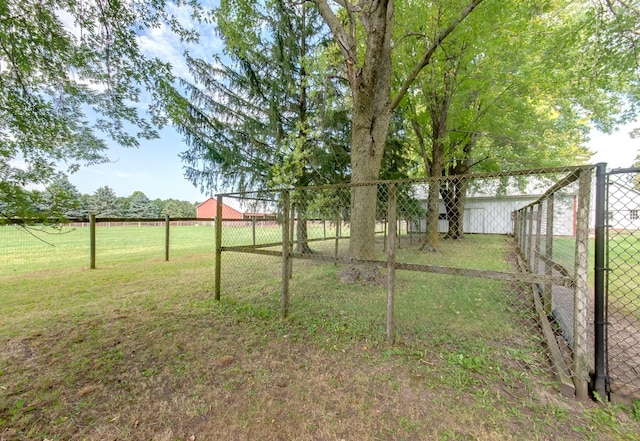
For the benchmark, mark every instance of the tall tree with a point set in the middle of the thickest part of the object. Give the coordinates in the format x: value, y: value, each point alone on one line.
x: 104, y: 203
x: 256, y: 122
x: 471, y: 102
x: 70, y: 74
x: 62, y: 198
x: 141, y: 207
x: 364, y: 32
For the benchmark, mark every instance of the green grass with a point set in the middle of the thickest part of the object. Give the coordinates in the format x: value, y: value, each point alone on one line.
x: 624, y: 277
x: 36, y: 249
x: 141, y: 351
x: 24, y: 251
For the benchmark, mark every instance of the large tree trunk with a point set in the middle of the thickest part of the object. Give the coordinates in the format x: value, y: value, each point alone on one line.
x: 454, y: 198
x: 433, y: 201
x: 370, y: 88
x: 456, y: 193
x: 302, y: 236
x: 366, y: 158
x: 370, y: 82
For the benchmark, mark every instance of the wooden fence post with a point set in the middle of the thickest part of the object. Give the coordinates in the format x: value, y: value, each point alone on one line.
x: 167, y: 223
x: 218, y: 263
x: 92, y: 241
x: 538, y: 241
x: 548, y: 271
x: 581, y: 292
x: 391, y: 260
x: 253, y: 229
x: 285, y: 253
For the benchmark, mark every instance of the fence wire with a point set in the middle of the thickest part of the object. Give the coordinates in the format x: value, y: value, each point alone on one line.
x: 623, y: 263
x: 31, y: 248
x: 453, y: 251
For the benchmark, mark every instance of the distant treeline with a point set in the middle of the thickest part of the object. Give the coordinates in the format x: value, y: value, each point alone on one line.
x: 61, y: 199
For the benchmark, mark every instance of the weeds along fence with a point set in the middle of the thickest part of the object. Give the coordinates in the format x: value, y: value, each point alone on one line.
x: 478, y: 245
x: 28, y: 247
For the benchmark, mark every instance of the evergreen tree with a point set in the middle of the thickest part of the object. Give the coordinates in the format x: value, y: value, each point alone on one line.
x: 258, y: 121
x: 61, y: 199
x: 104, y: 203
x: 141, y: 207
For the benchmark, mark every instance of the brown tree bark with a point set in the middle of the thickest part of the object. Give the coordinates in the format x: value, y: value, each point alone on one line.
x: 370, y: 83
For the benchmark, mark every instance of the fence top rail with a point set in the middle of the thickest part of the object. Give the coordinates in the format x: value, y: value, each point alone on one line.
x: 19, y: 221
x: 569, y: 179
x: 617, y: 171
x: 575, y: 169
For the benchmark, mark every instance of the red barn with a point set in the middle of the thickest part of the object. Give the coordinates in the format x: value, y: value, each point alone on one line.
x: 208, y: 209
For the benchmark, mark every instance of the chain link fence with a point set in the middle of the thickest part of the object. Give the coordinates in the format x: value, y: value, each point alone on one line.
x: 552, y: 236
x: 623, y: 281
x: 503, y: 256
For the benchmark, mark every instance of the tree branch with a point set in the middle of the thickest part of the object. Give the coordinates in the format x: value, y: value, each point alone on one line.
x: 344, y: 39
x: 430, y: 51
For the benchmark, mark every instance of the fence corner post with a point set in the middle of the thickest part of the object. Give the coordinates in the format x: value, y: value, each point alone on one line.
x: 218, y: 263
x: 581, y: 290
x: 600, y: 382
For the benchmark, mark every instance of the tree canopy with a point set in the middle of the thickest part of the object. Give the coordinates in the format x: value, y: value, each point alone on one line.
x: 461, y: 80
x: 72, y: 75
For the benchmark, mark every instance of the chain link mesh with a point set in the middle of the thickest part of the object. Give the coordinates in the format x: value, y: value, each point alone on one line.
x: 504, y: 244
x: 623, y: 262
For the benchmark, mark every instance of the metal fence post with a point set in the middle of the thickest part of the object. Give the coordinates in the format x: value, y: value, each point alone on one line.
x: 292, y: 231
x: 581, y: 292
x: 391, y: 260
x: 338, y: 222
x: 600, y: 385
x: 218, y: 263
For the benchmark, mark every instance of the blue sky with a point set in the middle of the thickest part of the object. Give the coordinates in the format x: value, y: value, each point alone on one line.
x: 156, y: 169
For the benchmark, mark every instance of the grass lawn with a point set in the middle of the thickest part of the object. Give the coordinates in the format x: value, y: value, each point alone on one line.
x: 25, y: 251
x: 140, y: 351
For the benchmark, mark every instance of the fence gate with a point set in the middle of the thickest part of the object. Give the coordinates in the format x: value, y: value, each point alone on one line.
x: 622, y: 287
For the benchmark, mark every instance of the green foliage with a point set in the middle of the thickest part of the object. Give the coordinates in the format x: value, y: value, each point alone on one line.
x: 268, y: 116
x: 175, y: 208
x: 71, y: 74
x: 62, y: 197
x: 104, y: 203
x: 141, y: 207
x: 474, y: 101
